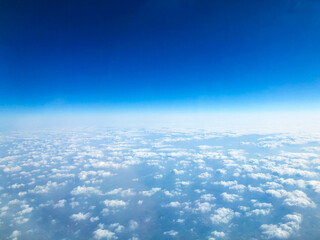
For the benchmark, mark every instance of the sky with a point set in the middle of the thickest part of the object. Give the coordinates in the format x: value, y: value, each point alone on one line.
x: 207, y: 55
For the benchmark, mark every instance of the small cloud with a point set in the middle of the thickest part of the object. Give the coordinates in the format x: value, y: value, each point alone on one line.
x: 80, y: 216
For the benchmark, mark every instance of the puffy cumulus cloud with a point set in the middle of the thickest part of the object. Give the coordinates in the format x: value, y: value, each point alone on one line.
x: 108, y: 164
x: 271, y: 185
x: 298, y: 198
x: 144, y: 154
x: 248, y: 168
x: 60, y: 203
x: 84, y: 174
x: 83, y: 190
x: 315, y: 185
x: 46, y: 188
x: 238, y: 154
x: 171, y: 233
x: 16, y: 185
x: 285, y: 170
x: 14, y: 201
x: 258, y: 212
x: 94, y: 219
x: 204, y: 207
x: 221, y: 171
x: 299, y: 155
x: 290, y: 181
x: 255, y: 189
x: 218, y: 234
x: 183, y: 183
x: 117, y: 227
x: 150, y: 192
x: 133, y: 225
x: 262, y: 205
x: 25, y: 209
x: 230, y: 197
x: 15, y: 235
x: 208, y: 197
x: 178, y: 172
x: 80, y: 216
x: 265, y: 176
x: 122, y: 192
x: 104, y: 234
x: 279, y: 193
x: 174, y: 204
x: 231, y: 185
x: 205, y: 175
x: 205, y: 147
x: 223, y: 215
x: 295, y: 198
x: 171, y: 193
x: 12, y: 169
x: 282, y: 230
x: 277, y: 141
x: 115, y: 203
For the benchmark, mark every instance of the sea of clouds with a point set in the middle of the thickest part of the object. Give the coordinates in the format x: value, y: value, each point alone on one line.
x: 159, y: 184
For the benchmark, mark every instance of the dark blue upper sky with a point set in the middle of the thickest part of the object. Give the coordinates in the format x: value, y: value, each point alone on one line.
x: 163, y: 52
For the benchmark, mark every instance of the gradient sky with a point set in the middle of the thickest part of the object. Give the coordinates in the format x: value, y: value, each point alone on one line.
x: 212, y: 54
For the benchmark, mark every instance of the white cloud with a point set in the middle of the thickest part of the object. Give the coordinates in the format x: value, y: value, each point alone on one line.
x: 12, y: 169
x: 133, y: 225
x: 223, y: 215
x: 178, y: 172
x: 298, y: 198
x: 104, y: 234
x: 115, y: 203
x: 230, y: 197
x: 26, y: 209
x: 204, y: 207
x: 108, y: 164
x: 285, y: 170
x: 295, y: 198
x: 150, y: 192
x: 85, y: 191
x: 184, y: 183
x: 282, y: 230
x: 15, y: 235
x: 80, y: 216
x: 265, y: 176
x: 315, y: 185
x: 258, y: 212
x: 16, y: 185
x: 255, y: 189
x: 232, y: 185
x: 123, y: 193
x: 46, y: 188
x: 171, y: 233
x: 208, y: 197
x: 174, y: 204
x: 205, y: 175
x: 277, y: 193
x: 60, y: 203
x: 116, y: 227
x: 94, y: 219
x: 218, y: 234
x: 262, y: 205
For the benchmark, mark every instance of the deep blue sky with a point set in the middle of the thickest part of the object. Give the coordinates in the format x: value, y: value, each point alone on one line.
x: 160, y: 52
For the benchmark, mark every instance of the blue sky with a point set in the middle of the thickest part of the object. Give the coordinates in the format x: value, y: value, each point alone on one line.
x: 208, y: 55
